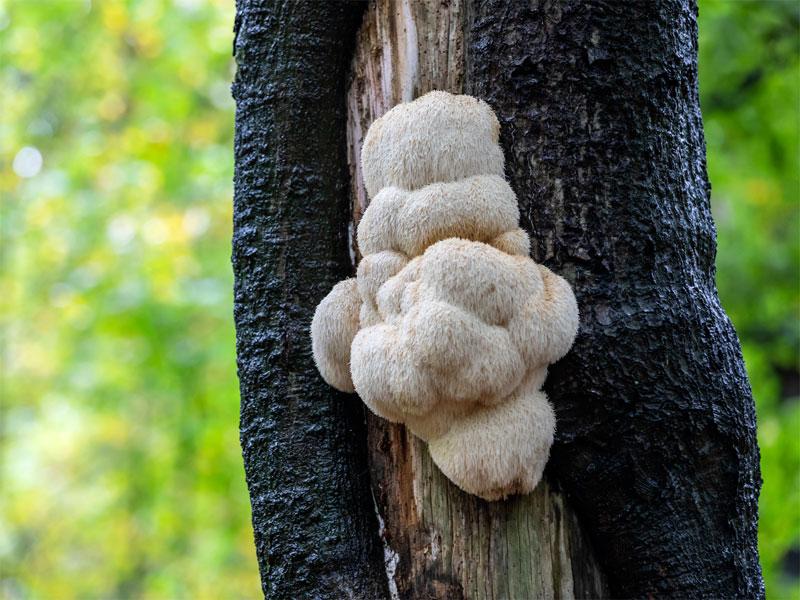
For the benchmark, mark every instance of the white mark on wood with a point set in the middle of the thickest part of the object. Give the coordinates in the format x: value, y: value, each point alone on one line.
x: 409, y: 74
x: 435, y: 545
x: 387, y: 65
x: 390, y: 558
x: 351, y: 243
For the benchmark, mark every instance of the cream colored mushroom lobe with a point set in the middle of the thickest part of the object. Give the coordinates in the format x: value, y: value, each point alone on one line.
x: 449, y: 326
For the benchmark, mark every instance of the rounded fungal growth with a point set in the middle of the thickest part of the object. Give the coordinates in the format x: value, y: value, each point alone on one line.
x: 449, y: 326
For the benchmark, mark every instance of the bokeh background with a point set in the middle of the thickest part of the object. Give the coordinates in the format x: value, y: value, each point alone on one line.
x: 120, y: 472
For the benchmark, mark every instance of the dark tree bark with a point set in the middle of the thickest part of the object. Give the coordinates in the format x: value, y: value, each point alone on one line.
x: 604, y: 146
x: 303, y: 443
x: 656, y: 444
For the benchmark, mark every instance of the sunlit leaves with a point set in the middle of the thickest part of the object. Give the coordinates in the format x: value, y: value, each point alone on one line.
x: 121, y: 470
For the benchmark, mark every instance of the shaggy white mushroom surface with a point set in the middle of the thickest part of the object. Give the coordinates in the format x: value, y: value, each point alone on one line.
x: 449, y: 326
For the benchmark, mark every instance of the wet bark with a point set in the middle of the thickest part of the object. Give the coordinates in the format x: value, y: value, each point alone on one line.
x: 656, y: 442
x: 303, y: 442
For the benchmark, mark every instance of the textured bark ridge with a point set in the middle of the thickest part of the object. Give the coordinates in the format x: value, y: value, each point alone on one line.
x: 303, y: 443
x: 604, y: 146
x: 440, y: 541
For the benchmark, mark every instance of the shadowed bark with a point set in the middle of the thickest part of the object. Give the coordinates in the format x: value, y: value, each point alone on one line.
x: 303, y: 442
x: 604, y: 145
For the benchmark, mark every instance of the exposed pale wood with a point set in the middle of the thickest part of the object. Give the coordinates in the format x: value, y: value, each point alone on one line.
x: 404, y: 49
x: 442, y: 542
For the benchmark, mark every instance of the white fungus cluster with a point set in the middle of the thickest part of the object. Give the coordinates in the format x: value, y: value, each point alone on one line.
x: 449, y: 326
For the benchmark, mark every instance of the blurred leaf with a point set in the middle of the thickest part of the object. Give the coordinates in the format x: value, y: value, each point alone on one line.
x: 121, y: 470
x: 750, y: 93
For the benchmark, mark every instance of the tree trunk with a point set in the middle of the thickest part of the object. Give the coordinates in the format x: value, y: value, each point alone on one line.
x: 656, y: 443
x: 655, y: 449
x: 442, y: 542
x: 303, y: 442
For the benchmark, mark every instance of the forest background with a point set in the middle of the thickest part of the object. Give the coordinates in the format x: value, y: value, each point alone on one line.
x: 120, y: 465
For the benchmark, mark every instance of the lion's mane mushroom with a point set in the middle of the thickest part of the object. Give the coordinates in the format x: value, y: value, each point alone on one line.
x: 449, y: 326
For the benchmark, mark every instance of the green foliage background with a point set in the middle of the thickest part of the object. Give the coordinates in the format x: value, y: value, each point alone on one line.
x: 119, y: 467
x: 750, y: 96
